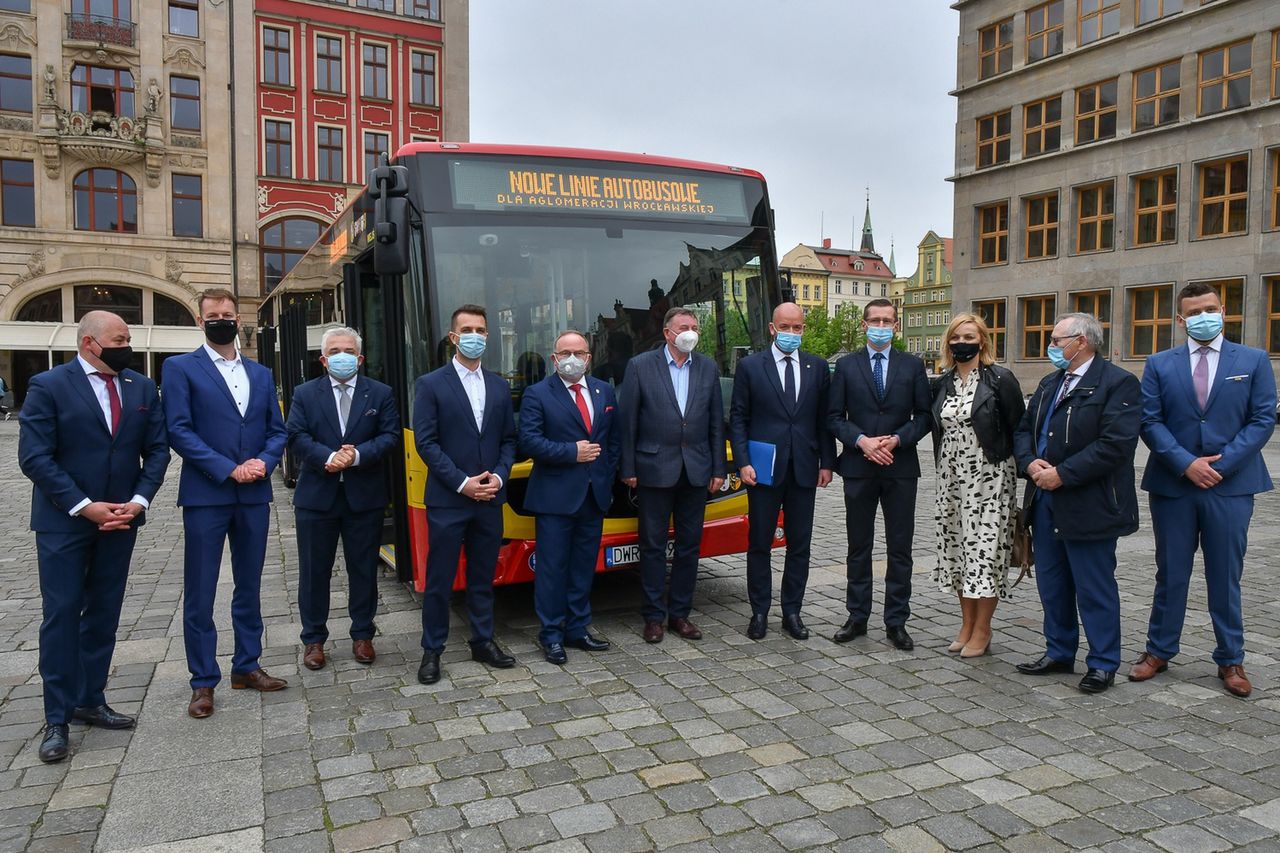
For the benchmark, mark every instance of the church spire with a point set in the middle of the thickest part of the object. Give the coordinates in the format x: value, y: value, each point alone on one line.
x: 868, y: 243
x: 893, y: 264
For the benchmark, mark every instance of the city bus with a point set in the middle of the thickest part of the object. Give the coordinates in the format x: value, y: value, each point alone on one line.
x: 546, y: 239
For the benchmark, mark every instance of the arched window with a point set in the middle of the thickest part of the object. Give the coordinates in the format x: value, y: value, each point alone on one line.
x: 45, y: 308
x: 106, y: 200
x: 125, y: 301
x: 282, y: 244
x: 170, y: 312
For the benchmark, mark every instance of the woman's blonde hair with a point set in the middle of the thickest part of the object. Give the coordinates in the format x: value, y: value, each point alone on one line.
x: 985, y: 353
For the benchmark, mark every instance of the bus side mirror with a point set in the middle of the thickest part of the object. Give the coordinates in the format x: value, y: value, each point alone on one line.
x: 389, y: 186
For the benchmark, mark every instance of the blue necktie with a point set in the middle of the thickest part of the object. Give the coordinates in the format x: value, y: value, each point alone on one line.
x: 878, y: 373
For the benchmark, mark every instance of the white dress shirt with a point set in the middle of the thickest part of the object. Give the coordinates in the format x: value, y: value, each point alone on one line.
x: 233, y: 373
x: 778, y: 356
x: 342, y: 422
x: 473, y: 384
x: 99, y: 386
x: 1215, y: 352
x: 586, y: 394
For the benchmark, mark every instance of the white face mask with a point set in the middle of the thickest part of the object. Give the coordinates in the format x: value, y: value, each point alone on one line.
x: 687, y: 341
x: 571, y: 368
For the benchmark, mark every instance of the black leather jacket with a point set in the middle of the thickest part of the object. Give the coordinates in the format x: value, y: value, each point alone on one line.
x: 997, y: 408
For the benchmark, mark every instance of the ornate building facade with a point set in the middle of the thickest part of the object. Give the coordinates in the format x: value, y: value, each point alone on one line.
x: 926, y: 301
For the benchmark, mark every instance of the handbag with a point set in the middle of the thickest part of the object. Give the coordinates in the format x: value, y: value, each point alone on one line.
x: 1022, y: 555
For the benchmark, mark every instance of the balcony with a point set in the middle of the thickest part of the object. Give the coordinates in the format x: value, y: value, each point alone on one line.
x: 100, y: 29
x: 101, y: 138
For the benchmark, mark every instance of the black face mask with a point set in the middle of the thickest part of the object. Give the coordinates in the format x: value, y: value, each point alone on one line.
x: 116, y: 358
x: 221, y: 332
x: 964, y: 353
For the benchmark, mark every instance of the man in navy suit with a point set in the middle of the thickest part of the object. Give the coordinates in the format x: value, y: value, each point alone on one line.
x: 567, y: 428
x: 879, y: 409
x: 224, y: 421
x: 672, y: 454
x: 342, y: 427
x: 464, y: 428
x: 780, y: 399
x: 1208, y: 409
x: 1075, y: 444
x: 92, y: 442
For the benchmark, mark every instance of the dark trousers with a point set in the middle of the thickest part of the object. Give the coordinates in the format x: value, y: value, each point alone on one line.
x: 896, y: 496
x: 568, y: 547
x: 763, y: 502
x: 1076, y: 574
x: 686, y: 504
x: 1218, y: 525
x: 318, y: 534
x: 205, y: 530
x: 450, y: 530
x: 82, y: 582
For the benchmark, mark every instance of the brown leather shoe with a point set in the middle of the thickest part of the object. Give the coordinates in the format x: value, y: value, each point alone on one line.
x: 1234, y: 679
x: 257, y: 680
x: 685, y: 629
x: 362, y: 651
x: 653, y: 632
x: 1147, y: 666
x: 201, y: 702
x: 313, y: 656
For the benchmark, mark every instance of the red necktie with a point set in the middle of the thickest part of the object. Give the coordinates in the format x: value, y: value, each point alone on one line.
x: 582, y: 406
x: 113, y: 396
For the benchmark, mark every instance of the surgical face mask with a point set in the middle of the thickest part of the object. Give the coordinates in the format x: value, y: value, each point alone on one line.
x: 1058, y: 357
x: 1204, y: 327
x: 116, y: 358
x: 221, y: 332
x: 342, y: 365
x: 571, y: 368
x: 787, y: 341
x: 880, y: 335
x: 687, y: 341
x: 965, y: 352
x: 471, y: 344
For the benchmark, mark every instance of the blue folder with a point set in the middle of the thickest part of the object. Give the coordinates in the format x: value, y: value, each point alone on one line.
x: 763, y: 454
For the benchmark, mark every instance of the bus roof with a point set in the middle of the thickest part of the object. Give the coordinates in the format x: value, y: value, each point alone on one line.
x: 568, y: 153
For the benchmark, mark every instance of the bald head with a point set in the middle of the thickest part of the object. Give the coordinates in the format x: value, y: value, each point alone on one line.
x: 788, y: 312
x: 99, y: 330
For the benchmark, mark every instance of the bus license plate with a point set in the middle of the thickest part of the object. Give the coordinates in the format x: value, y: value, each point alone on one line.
x: 621, y: 555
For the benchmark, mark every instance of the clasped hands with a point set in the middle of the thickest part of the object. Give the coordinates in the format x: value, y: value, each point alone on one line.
x: 1044, y: 475
x: 249, y: 470
x: 1202, y: 473
x: 879, y: 448
x: 482, y: 487
x: 343, y: 458
x: 111, y: 516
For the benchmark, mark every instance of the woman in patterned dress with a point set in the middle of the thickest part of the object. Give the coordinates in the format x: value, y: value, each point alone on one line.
x: 976, y: 405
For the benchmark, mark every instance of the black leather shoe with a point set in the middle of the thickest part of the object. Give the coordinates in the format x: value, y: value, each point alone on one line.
x: 898, y: 635
x: 1096, y: 681
x: 490, y: 653
x: 555, y: 653
x: 757, y: 627
x: 54, y: 747
x: 589, y: 643
x: 429, y: 671
x: 850, y: 630
x: 103, y: 717
x: 792, y: 625
x: 1047, y: 666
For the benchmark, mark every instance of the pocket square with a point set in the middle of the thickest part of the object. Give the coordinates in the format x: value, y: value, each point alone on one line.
x: 608, y: 409
x: 371, y: 412
x: 1238, y: 378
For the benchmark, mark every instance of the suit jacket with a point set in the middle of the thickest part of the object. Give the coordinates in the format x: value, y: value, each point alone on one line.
x: 855, y: 410
x: 373, y: 426
x: 550, y: 429
x: 657, y: 441
x: 798, y: 430
x: 448, y: 441
x: 1237, y: 420
x: 66, y: 448
x: 1092, y: 436
x: 208, y: 432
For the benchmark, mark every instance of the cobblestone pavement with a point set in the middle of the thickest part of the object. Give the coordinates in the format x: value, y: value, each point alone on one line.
x: 722, y: 744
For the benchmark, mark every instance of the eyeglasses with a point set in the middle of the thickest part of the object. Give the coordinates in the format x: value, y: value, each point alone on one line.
x: 1055, y: 340
x: 579, y: 353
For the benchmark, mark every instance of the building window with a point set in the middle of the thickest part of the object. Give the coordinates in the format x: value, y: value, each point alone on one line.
x: 184, y: 17
x: 806, y: 293
x: 15, y: 5
x: 1224, y: 197
x: 375, y: 145
x: 1275, y: 188
x: 993, y: 234
x: 125, y: 301
x: 283, y: 244
x: 377, y: 5
x: 992, y: 313
x: 1275, y: 64
x: 993, y: 139
x: 1044, y: 31
x: 329, y: 64
x: 45, y: 308
x: 1095, y: 217
x: 96, y: 89
x: 1155, y: 208
x: 1231, y: 294
x: 15, y: 83
x: 277, y: 69
x: 1096, y: 112
x: 1041, y: 215
x: 110, y: 10
x: 18, y: 193
x: 1151, y: 323
x: 995, y: 49
x: 1155, y: 96
x: 1097, y: 303
x: 1098, y: 19
x: 429, y: 9
x: 188, y: 206
x: 866, y: 288
x: 1042, y: 126
x: 170, y: 312
x: 1038, y: 313
x: 277, y: 161
x: 817, y: 293
x: 105, y: 200
x: 884, y: 288
x: 1272, y: 283
x: 1151, y: 10
x: 329, y: 154
x: 422, y: 78
x: 375, y: 71
x: 184, y: 103
x: 1224, y: 77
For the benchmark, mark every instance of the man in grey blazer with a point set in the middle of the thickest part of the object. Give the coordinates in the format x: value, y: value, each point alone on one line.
x: 673, y: 456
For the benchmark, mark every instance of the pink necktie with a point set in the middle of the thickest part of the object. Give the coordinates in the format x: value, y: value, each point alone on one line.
x: 1200, y: 377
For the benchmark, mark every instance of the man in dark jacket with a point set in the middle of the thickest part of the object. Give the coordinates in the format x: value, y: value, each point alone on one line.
x: 1075, y: 444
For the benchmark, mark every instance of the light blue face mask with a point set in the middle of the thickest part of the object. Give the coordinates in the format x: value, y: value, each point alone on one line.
x: 342, y: 365
x: 1057, y: 357
x: 471, y: 344
x: 1204, y: 327
x: 787, y: 341
x: 880, y: 335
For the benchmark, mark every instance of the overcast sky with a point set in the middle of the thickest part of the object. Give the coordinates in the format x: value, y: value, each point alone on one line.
x: 824, y: 97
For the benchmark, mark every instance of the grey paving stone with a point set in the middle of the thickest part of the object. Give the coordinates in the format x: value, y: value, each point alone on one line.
x: 1187, y: 839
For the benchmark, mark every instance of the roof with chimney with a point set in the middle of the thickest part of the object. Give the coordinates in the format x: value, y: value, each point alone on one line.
x: 859, y: 264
